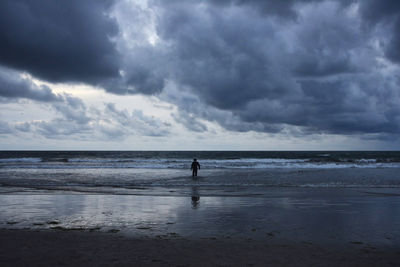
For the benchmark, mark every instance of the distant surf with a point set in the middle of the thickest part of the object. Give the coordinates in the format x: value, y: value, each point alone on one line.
x: 209, y: 159
x: 156, y: 172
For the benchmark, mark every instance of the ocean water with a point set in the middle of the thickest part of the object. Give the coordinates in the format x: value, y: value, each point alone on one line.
x: 168, y: 172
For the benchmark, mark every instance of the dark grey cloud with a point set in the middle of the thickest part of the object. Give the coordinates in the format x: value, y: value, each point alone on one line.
x: 220, y: 56
x: 281, y: 9
x: 386, y: 13
x: 329, y: 47
x: 73, y: 109
x: 144, y: 67
x: 59, y: 41
x: 12, y: 85
x: 318, y: 71
x: 192, y: 110
x: 376, y: 11
x: 190, y: 121
x: 393, y: 49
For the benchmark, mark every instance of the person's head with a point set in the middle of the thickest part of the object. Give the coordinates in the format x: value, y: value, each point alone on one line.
x: 194, y: 159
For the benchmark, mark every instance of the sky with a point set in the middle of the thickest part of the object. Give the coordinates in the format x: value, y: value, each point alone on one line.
x: 200, y: 75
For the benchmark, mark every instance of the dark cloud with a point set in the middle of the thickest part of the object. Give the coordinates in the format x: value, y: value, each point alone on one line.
x: 327, y: 47
x: 192, y: 110
x: 59, y: 40
x: 221, y: 57
x: 344, y: 108
x: 393, y: 49
x: 376, y: 11
x: 281, y: 9
x: 285, y: 9
x: 317, y: 72
x: 190, y: 121
x: 386, y: 13
x: 73, y: 109
x: 12, y: 85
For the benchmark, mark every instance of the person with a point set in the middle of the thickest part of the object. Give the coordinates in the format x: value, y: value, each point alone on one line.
x: 194, y: 167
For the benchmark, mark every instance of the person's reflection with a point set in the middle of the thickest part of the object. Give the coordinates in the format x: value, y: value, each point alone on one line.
x: 195, y: 197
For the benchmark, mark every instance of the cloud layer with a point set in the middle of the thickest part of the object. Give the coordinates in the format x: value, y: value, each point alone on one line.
x: 75, y: 121
x: 295, y: 67
x: 327, y: 67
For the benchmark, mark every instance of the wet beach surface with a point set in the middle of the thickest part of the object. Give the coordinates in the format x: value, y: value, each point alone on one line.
x: 281, y: 227
x: 318, y: 215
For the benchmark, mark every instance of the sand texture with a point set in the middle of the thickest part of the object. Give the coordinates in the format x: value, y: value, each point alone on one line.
x: 71, y: 248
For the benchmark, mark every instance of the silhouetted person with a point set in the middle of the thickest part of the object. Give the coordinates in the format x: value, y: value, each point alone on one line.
x: 194, y: 167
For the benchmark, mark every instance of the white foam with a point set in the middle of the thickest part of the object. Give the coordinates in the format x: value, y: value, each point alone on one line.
x: 28, y: 160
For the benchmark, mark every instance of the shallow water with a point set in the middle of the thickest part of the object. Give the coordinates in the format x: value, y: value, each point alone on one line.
x: 315, y: 215
x: 171, y: 182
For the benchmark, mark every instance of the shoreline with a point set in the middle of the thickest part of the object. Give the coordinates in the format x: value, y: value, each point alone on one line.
x: 283, y: 227
x: 175, y: 182
x: 317, y: 215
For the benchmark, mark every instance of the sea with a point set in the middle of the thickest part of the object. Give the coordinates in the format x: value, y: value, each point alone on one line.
x: 168, y: 172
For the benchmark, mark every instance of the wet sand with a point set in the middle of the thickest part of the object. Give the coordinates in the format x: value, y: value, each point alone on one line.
x: 72, y: 248
x: 281, y: 227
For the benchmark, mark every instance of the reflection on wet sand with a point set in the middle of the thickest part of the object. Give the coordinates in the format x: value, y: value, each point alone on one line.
x: 310, y: 215
x: 195, y: 197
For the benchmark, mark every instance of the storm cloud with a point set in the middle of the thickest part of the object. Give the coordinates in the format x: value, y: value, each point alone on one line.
x: 12, y: 85
x: 322, y: 66
x: 59, y: 41
x: 306, y: 67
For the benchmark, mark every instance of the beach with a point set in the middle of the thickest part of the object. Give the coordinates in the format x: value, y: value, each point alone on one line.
x: 243, y: 209
x: 51, y: 248
x: 283, y: 227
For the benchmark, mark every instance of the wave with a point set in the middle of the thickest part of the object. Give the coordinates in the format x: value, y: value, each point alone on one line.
x: 17, y: 160
x: 324, y: 162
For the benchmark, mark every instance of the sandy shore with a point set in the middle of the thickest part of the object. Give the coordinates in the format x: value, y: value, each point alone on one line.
x: 282, y: 227
x: 72, y: 248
